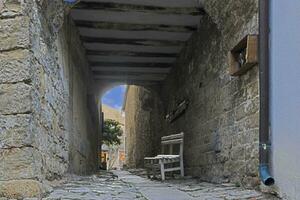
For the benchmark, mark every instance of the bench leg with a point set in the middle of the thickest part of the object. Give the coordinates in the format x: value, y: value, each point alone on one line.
x: 153, y: 172
x: 181, y: 168
x: 146, y: 165
x: 148, y: 172
x: 162, y: 171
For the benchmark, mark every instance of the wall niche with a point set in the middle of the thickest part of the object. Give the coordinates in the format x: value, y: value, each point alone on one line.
x: 243, y: 56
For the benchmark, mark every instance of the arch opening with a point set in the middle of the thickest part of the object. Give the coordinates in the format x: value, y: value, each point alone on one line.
x: 137, y: 141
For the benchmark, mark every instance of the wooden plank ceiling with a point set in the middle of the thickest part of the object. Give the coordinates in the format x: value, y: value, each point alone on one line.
x: 134, y: 40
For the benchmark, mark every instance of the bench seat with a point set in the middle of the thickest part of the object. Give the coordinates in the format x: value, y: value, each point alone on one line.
x: 162, y: 157
x: 160, y: 161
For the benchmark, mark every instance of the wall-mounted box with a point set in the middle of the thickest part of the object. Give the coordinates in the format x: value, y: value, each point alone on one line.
x: 243, y: 56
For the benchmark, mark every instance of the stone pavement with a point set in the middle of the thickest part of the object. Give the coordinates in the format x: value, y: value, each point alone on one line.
x: 104, y: 186
x: 122, y: 185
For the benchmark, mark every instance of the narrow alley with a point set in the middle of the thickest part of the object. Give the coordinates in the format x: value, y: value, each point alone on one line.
x: 208, y: 89
x: 123, y: 185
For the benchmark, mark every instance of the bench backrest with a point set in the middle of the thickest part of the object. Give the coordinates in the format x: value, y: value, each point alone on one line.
x: 171, y: 140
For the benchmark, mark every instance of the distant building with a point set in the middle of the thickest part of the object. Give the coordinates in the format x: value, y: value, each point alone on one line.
x: 113, y: 157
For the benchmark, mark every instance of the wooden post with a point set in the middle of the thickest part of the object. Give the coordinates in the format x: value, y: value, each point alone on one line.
x: 181, y: 160
x: 162, y: 170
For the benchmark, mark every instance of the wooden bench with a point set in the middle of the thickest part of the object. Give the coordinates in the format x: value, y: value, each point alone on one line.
x: 161, y: 162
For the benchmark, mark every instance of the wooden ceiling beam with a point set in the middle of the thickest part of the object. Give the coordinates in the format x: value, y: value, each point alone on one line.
x: 145, y: 77
x: 130, y: 82
x: 121, y: 59
x: 139, y: 35
x: 130, y: 64
x: 137, y: 74
x: 141, y: 42
x: 159, y: 3
x: 98, y: 46
x: 133, y: 27
x: 128, y: 53
x: 131, y: 69
x: 134, y: 17
x: 126, y: 7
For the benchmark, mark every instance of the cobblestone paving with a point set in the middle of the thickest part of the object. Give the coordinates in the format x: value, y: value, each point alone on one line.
x: 123, y: 185
x: 203, y: 190
x: 97, y: 187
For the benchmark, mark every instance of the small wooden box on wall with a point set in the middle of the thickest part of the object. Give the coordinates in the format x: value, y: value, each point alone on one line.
x: 243, y: 56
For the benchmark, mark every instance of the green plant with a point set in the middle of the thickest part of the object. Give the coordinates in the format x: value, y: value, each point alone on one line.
x: 112, y: 131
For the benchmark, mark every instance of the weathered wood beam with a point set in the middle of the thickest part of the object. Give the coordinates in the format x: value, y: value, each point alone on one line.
x: 134, y: 35
x: 98, y: 46
x: 130, y: 64
x: 160, y: 3
x: 131, y: 69
x: 133, y: 27
x: 137, y: 74
x: 128, y: 53
x: 130, y: 82
x: 134, y: 17
x: 141, y: 42
x: 144, y: 77
x: 121, y: 59
x: 125, y: 7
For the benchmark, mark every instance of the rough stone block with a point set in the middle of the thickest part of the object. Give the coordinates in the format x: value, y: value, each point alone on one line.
x: 54, y: 167
x: 252, y: 121
x: 10, y: 8
x: 252, y: 106
x: 51, y: 144
x: 20, y: 163
x: 253, y: 87
x: 14, y: 66
x: 20, y: 189
x: 1, y: 6
x: 238, y: 153
x: 15, y: 131
x: 14, y: 33
x: 250, y: 136
x: 15, y: 98
x: 252, y: 167
x: 252, y: 150
x: 241, y: 112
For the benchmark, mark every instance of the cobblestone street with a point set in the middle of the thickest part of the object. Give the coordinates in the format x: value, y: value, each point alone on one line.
x: 122, y: 185
x: 105, y: 186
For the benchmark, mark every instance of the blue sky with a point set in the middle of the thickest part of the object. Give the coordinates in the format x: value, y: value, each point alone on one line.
x: 114, y: 97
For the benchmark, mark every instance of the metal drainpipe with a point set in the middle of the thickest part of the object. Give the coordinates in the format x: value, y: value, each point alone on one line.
x: 264, y: 138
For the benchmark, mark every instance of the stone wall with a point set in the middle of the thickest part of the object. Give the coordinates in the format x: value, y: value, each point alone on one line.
x: 84, y: 129
x: 221, y: 122
x: 19, y: 154
x: 46, y: 127
x: 142, y: 112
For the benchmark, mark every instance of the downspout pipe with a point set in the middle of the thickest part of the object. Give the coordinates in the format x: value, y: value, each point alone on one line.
x: 264, y: 78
